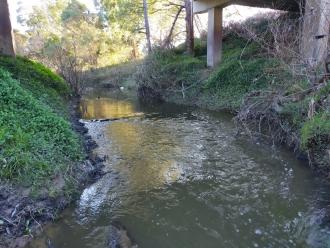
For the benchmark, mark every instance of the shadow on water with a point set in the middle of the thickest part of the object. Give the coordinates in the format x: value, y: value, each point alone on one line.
x: 178, y: 177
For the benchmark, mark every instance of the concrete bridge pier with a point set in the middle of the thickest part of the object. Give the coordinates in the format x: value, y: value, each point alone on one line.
x: 7, y: 44
x: 314, y: 45
x: 315, y: 33
x: 214, y: 36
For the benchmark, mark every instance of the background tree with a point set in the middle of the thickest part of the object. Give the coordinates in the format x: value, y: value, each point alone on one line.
x: 67, y: 37
x: 146, y: 24
x: 189, y: 27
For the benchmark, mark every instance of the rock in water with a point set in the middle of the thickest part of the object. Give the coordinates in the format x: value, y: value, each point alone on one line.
x: 119, y: 238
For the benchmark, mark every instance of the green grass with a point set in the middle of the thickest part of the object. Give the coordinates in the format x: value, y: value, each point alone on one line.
x: 241, y: 71
x: 36, y: 140
x: 316, y: 131
x: 296, y: 112
x: 200, y: 48
x: 34, y: 73
x: 178, y: 69
x: 44, y: 84
x: 168, y: 70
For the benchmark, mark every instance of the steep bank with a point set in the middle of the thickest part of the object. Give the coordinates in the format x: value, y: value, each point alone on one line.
x: 45, y: 153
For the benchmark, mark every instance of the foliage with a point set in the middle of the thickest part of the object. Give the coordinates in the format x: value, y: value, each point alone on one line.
x: 166, y: 22
x: 324, y: 92
x: 115, y: 76
x: 118, y: 10
x: 44, y: 84
x: 23, y: 68
x: 35, y: 142
x: 296, y: 112
x: 65, y: 36
x: 166, y: 70
x: 316, y: 131
x: 200, y: 48
x: 75, y: 11
x: 241, y: 71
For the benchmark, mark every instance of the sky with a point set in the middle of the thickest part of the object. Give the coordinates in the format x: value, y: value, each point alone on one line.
x: 231, y: 13
x: 27, y: 5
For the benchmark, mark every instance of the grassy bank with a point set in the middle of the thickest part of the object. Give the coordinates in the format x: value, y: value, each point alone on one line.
x: 44, y: 151
x: 36, y: 138
x: 243, y: 70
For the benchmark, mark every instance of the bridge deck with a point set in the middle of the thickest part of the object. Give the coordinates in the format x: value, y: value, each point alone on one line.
x: 316, y: 23
x: 201, y: 6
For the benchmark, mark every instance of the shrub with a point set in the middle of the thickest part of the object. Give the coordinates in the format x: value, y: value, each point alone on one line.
x: 200, y: 48
x: 316, y: 132
x: 164, y: 69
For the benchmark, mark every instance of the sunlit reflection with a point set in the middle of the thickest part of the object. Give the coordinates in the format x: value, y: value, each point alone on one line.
x: 148, y: 153
x: 106, y: 108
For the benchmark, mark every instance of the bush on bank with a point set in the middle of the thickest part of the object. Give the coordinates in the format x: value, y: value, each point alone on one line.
x: 168, y: 70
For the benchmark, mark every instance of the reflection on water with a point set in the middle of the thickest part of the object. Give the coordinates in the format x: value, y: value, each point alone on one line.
x: 143, y: 167
x: 179, y: 178
x: 103, y: 108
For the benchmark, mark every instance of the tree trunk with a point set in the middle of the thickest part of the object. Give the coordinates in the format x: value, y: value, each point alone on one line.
x: 6, y: 33
x: 168, y: 40
x: 146, y: 24
x: 189, y: 27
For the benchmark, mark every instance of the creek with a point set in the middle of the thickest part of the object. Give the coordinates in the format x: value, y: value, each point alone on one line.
x: 180, y: 177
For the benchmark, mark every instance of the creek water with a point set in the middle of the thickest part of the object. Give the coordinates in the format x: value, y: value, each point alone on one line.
x: 179, y: 177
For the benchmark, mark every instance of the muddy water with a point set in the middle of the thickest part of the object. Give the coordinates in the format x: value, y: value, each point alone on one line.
x: 179, y: 177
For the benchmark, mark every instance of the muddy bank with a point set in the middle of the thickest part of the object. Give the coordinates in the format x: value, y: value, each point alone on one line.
x: 22, y: 214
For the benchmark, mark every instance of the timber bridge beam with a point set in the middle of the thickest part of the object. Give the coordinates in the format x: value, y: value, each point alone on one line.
x: 314, y: 34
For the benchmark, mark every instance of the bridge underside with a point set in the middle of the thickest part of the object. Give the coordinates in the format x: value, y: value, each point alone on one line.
x: 201, y: 6
x: 316, y: 24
